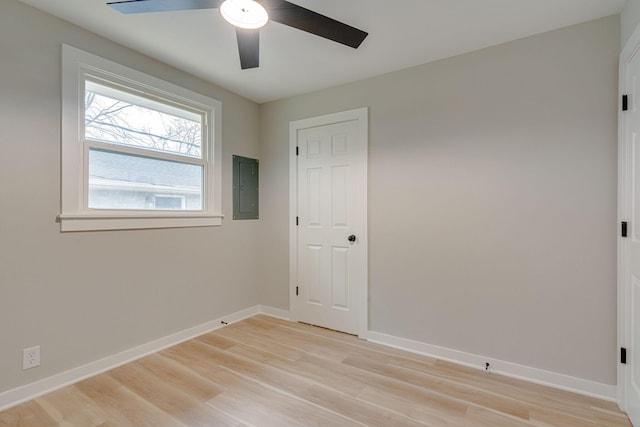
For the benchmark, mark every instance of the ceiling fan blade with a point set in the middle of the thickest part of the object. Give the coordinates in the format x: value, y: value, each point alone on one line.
x: 312, y: 22
x: 248, y: 48
x: 144, y: 6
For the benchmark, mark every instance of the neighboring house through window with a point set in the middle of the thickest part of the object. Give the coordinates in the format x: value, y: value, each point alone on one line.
x: 137, y: 152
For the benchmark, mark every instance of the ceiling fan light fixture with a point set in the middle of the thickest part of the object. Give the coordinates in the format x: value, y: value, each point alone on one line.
x: 247, y: 14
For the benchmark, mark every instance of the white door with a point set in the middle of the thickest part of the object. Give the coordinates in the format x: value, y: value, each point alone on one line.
x: 630, y: 246
x: 329, y: 285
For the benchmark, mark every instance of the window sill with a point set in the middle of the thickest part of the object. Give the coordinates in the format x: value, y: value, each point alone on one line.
x: 131, y: 222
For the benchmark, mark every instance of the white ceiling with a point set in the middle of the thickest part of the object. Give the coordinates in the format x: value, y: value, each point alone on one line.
x: 402, y: 33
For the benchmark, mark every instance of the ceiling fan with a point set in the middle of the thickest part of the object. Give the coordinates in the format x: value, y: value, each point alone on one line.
x: 249, y: 16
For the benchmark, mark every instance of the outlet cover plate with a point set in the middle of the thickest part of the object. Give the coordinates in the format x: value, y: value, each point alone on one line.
x: 30, y: 357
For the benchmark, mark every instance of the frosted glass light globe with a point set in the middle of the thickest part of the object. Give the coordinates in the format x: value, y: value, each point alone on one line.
x: 244, y: 13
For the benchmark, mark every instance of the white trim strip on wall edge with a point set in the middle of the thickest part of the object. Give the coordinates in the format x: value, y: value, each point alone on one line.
x: 275, y: 312
x: 30, y: 391
x: 527, y: 373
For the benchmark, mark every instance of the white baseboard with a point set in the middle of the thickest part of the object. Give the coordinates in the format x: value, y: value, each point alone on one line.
x: 27, y: 392
x: 275, y: 312
x: 535, y: 375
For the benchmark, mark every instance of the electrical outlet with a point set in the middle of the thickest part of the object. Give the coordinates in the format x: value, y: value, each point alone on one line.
x: 30, y: 357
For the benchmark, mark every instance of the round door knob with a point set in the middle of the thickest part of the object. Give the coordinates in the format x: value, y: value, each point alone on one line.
x: 352, y: 238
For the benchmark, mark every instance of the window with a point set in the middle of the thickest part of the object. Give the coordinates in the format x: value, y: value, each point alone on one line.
x: 169, y: 202
x: 137, y: 152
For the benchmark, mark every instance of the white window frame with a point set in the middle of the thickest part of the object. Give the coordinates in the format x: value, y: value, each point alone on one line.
x: 79, y: 66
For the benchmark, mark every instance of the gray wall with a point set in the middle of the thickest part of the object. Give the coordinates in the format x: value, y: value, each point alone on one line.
x: 83, y: 296
x: 492, y: 199
x: 629, y: 19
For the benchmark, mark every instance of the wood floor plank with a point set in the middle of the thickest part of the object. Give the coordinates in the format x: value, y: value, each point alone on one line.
x: 307, y: 343
x: 180, y: 376
x: 70, y: 407
x: 478, y: 416
x: 541, y: 399
x: 265, y: 371
x: 498, y: 403
x: 123, y: 407
x: 262, y: 343
x: 530, y: 392
x: 28, y: 414
x: 217, y: 339
x: 182, y: 406
x: 252, y: 361
x: 343, y: 337
x: 260, y: 405
x: 352, y: 382
x: 413, y: 407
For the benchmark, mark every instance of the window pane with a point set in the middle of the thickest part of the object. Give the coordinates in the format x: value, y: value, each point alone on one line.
x: 119, y: 117
x: 123, y: 181
x: 169, y: 202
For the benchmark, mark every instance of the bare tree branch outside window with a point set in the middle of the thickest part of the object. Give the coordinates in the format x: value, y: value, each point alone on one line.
x: 119, y: 122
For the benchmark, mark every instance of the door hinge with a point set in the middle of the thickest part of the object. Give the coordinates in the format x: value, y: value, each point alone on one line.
x: 623, y: 355
x: 623, y: 229
x: 625, y: 102
x: 297, y: 220
x: 297, y: 151
x: 296, y: 291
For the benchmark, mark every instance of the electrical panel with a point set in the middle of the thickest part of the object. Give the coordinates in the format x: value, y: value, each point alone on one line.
x: 245, y: 188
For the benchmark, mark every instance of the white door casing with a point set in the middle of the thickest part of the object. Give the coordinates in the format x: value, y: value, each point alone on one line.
x: 328, y: 193
x: 629, y: 247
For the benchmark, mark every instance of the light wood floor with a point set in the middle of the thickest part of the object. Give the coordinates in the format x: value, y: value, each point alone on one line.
x: 268, y: 372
